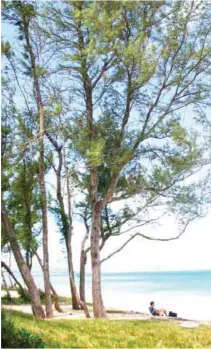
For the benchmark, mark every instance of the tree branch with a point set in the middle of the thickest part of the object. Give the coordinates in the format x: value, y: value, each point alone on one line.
x: 149, y: 238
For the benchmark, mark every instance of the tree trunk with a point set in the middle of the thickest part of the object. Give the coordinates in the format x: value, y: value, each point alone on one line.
x: 83, y: 260
x: 75, y: 303
x: 6, y: 287
x: 82, y: 275
x: 48, y: 303
x: 74, y: 292
x: 78, y: 300
x: 41, y: 117
x: 55, y: 295
x: 5, y: 266
x: 24, y: 270
x: 98, y: 307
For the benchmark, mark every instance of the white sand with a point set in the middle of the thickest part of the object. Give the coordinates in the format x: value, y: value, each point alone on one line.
x: 70, y: 314
x: 14, y: 294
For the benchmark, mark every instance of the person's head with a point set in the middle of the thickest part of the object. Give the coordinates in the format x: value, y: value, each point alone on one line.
x: 152, y: 304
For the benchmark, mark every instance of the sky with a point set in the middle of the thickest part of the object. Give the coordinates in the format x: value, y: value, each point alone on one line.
x: 190, y: 252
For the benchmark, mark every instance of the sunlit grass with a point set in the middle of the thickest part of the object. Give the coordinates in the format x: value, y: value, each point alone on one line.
x: 113, y: 334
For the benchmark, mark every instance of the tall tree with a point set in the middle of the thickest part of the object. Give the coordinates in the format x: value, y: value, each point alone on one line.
x: 134, y: 67
x: 22, y: 15
x: 9, y: 157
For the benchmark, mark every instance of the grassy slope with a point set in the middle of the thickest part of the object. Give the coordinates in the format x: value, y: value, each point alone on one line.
x: 114, y: 334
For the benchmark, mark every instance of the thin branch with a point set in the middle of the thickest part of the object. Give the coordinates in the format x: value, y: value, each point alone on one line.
x: 149, y: 238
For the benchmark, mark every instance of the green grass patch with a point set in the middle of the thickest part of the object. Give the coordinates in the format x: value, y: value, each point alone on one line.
x: 22, y: 300
x: 113, y: 334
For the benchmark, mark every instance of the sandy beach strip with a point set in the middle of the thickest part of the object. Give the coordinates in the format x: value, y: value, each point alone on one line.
x: 70, y: 314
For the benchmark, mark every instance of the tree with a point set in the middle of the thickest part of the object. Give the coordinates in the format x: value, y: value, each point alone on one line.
x: 9, y: 158
x: 65, y: 220
x: 22, y: 15
x: 134, y: 67
x: 24, y: 270
x: 7, y: 268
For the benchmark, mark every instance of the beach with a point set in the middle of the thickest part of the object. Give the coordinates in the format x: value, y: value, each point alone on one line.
x: 186, y: 293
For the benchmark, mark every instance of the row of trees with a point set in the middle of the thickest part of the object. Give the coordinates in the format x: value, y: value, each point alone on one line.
x: 94, y: 94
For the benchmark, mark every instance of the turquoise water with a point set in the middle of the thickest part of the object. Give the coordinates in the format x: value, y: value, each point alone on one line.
x: 186, y: 292
x: 198, y: 282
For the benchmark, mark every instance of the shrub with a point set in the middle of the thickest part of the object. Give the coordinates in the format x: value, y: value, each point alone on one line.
x: 17, y: 338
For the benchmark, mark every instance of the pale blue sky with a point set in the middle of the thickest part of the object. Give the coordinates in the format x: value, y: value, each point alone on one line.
x: 191, y: 251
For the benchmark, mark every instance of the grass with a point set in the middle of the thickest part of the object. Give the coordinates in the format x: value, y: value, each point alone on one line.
x: 113, y: 334
x: 21, y: 300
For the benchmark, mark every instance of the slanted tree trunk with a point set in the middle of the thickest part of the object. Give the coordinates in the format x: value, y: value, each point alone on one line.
x: 55, y: 295
x: 24, y: 270
x: 41, y: 116
x: 6, y: 287
x: 5, y: 266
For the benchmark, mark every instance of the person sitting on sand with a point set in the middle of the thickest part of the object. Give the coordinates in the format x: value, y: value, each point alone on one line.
x: 158, y: 312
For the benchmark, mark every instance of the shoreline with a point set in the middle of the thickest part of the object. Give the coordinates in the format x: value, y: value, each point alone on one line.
x: 112, y: 313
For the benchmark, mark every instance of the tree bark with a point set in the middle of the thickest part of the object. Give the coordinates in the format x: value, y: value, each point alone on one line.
x: 5, y: 266
x: 24, y: 270
x: 83, y: 259
x: 98, y: 307
x: 55, y: 295
x: 75, y: 303
x: 79, y: 302
x: 48, y: 302
x: 41, y: 116
x: 6, y: 287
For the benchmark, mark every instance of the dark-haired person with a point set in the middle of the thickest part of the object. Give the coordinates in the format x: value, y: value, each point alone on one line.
x: 157, y: 312
x: 160, y: 312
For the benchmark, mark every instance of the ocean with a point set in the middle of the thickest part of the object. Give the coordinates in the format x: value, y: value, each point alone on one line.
x: 187, y: 293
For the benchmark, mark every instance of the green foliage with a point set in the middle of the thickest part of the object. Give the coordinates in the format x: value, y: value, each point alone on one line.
x: 61, y: 218
x: 95, y: 151
x: 13, y: 337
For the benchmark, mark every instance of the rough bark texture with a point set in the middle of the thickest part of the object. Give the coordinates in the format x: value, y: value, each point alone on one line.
x: 5, y: 266
x: 55, y: 295
x: 24, y: 270
x: 82, y: 275
x: 98, y: 307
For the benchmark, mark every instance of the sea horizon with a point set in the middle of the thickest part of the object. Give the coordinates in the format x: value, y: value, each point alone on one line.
x: 186, y: 292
